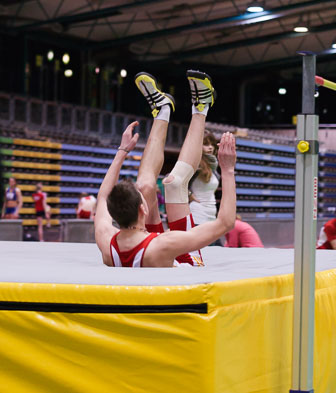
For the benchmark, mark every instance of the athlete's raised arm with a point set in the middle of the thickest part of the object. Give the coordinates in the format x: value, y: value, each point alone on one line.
x: 104, y: 229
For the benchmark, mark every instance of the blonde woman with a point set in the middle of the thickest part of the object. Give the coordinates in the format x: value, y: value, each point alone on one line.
x: 205, y: 182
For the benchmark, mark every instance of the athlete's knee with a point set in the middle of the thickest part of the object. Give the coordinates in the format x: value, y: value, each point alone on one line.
x: 147, y: 189
x: 176, y: 184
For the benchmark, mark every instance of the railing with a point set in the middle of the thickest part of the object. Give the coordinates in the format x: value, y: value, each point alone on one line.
x: 52, y: 117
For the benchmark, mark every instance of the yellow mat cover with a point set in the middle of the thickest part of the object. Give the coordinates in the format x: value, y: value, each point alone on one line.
x: 225, y: 337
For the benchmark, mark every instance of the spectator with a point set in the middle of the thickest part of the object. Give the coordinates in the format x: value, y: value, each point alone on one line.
x: 161, y: 202
x: 42, y: 209
x: 204, y: 183
x: 87, y: 206
x: 13, y: 201
x: 327, y: 238
x: 242, y: 235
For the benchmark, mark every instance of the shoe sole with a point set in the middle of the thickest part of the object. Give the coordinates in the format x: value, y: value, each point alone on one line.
x: 199, y: 75
x: 171, y: 98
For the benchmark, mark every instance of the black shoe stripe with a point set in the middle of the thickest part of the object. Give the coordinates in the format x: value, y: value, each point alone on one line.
x: 157, y: 95
x: 153, y: 98
x: 195, y: 86
x: 149, y: 97
x: 157, y: 101
x: 207, y: 94
x: 202, y: 91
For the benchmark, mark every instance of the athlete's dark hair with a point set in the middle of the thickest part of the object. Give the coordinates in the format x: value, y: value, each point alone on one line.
x: 123, y: 203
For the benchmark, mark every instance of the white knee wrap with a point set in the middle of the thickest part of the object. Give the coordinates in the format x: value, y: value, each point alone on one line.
x: 176, y: 191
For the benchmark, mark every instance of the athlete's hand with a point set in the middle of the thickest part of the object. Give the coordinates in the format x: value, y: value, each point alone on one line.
x: 192, y: 198
x: 128, y: 140
x: 227, y: 152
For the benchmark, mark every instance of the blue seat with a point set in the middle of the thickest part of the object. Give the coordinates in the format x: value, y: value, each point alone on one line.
x: 265, y: 169
x: 264, y: 146
x: 98, y: 150
x: 266, y: 157
x: 268, y: 204
x: 258, y: 191
x: 264, y: 180
x: 78, y: 190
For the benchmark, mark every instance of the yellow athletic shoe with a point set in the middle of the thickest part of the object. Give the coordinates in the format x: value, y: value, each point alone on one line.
x: 146, y: 83
x: 202, y: 91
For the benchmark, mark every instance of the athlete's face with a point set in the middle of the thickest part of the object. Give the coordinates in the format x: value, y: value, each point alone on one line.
x: 208, y: 149
x: 12, y: 183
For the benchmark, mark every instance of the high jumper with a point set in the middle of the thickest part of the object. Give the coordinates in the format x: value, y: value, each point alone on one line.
x: 141, y: 240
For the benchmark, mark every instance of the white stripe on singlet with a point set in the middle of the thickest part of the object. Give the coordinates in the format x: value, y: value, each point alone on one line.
x: 137, y: 258
x: 188, y: 223
x: 322, y: 237
x: 116, y: 259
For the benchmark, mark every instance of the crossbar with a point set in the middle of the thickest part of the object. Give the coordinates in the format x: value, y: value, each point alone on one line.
x: 325, y: 83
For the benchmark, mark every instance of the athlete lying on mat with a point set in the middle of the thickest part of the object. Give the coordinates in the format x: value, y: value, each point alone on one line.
x: 134, y: 206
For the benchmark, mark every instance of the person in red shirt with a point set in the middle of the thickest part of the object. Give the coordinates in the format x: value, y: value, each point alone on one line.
x: 242, y: 235
x: 327, y: 238
x: 87, y: 206
x: 42, y: 209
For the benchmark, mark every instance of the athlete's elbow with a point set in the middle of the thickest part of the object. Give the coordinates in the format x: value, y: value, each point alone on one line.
x: 108, y: 263
x: 230, y: 225
x: 226, y: 224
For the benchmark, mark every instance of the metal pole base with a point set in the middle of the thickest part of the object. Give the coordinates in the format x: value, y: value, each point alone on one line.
x: 302, y: 391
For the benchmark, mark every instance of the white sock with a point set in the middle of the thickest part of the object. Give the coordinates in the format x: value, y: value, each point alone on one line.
x: 204, y: 112
x: 164, y: 113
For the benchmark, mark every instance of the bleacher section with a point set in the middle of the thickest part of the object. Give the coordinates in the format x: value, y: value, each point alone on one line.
x: 327, y: 184
x: 265, y: 175
x: 68, y: 148
x: 65, y: 170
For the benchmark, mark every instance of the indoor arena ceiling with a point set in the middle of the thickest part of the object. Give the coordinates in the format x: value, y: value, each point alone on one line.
x: 220, y: 33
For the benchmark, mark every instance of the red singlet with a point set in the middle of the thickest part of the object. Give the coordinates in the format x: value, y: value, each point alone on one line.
x: 132, y: 257
x: 38, y: 198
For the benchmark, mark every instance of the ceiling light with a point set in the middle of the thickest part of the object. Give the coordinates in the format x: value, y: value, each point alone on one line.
x: 50, y: 55
x: 68, y: 73
x: 301, y: 29
x: 256, y: 6
x: 123, y: 73
x: 66, y: 58
x: 282, y: 91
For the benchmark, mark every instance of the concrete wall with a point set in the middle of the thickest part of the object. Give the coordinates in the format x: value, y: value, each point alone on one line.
x: 278, y: 233
x: 11, y: 230
x: 77, y: 231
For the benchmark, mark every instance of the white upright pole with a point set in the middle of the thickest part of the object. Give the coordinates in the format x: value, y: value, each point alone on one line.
x: 306, y: 194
